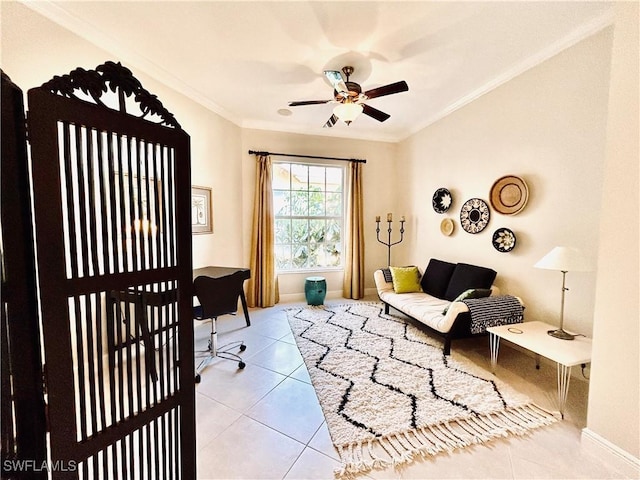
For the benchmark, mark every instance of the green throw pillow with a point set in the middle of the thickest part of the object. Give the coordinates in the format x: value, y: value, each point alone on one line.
x: 405, y: 279
x: 467, y: 294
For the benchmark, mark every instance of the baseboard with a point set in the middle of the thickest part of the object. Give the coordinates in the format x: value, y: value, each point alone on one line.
x: 331, y: 295
x: 624, y: 462
x: 299, y: 297
x: 368, y: 292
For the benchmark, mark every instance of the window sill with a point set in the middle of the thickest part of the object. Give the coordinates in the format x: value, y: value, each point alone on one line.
x: 310, y: 271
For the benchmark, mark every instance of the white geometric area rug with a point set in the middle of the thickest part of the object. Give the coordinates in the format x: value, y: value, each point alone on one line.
x: 389, y: 395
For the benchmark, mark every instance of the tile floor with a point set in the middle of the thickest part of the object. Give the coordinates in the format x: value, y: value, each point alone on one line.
x: 265, y: 422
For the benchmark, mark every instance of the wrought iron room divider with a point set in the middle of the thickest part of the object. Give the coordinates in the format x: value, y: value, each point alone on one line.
x: 111, y: 196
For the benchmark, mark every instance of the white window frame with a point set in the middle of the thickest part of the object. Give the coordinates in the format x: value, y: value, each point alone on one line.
x: 326, y: 163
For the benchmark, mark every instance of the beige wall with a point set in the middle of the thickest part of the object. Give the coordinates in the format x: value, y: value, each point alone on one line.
x: 35, y: 49
x: 547, y: 126
x: 614, y: 390
x: 378, y: 185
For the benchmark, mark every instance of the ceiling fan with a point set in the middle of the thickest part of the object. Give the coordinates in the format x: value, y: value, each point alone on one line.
x: 350, y: 98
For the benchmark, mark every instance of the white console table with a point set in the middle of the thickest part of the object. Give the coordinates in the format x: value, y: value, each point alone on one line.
x: 533, y: 336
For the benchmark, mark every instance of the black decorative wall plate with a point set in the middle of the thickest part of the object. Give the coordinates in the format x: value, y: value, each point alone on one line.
x: 441, y: 200
x: 474, y: 215
x: 504, y: 240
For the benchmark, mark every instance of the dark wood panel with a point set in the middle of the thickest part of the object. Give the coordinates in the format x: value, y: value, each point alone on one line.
x: 23, y: 410
x: 112, y: 196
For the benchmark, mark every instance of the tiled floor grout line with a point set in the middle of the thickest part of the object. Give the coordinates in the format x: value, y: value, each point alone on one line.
x: 511, y: 466
x: 275, y: 429
x: 306, y: 446
x: 290, y: 376
x: 221, y: 432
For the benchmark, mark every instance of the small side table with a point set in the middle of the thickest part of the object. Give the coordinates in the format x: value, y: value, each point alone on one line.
x: 533, y: 336
x: 315, y: 290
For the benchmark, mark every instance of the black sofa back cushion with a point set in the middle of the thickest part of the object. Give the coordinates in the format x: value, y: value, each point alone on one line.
x: 436, y: 277
x: 467, y: 276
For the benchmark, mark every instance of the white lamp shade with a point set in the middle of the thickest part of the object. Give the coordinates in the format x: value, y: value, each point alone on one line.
x: 347, y: 112
x: 565, y: 259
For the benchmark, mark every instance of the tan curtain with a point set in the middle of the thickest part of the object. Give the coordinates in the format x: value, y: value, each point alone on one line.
x: 353, y: 286
x: 263, y: 285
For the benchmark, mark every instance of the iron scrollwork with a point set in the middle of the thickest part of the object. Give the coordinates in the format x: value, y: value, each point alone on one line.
x: 117, y: 78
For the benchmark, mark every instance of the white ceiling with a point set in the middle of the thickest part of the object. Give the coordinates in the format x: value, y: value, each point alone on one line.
x: 247, y: 60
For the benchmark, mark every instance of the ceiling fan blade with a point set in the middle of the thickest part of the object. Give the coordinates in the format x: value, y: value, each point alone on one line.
x: 387, y: 89
x: 336, y: 80
x: 308, y: 102
x: 331, y: 122
x: 374, y: 113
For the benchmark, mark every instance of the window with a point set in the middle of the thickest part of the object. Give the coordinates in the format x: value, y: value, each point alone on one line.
x: 308, y: 206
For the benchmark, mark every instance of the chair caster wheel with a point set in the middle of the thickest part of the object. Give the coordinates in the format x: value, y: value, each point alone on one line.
x: 197, y: 378
x: 241, y: 365
x: 243, y: 347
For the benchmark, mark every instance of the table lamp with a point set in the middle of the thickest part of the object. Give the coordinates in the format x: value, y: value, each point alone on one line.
x: 564, y: 259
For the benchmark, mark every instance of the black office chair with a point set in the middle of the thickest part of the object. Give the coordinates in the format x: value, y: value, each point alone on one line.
x: 218, y: 296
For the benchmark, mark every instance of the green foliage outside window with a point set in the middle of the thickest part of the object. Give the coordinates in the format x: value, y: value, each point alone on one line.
x: 308, y: 204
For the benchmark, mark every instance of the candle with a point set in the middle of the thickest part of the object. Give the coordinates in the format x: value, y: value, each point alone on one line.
x: 377, y: 218
x: 389, y: 217
x: 402, y: 218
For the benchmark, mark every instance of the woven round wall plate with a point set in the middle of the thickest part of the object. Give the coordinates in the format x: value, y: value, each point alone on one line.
x: 509, y: 195
x: 474, y: 215
x: 447, y: 226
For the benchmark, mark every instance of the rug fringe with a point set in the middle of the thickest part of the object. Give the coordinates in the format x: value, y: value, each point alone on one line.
x: 404, y: 447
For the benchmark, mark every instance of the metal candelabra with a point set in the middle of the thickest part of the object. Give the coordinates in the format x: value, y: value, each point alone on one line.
x: 388, y: 242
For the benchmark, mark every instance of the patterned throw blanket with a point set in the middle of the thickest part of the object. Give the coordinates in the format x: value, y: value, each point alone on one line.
x: 493, y: 311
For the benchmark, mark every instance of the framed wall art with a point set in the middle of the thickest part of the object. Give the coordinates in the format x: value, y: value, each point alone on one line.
x: 201, y: 210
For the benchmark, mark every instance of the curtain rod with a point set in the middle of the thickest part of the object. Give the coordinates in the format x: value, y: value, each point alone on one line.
x: 357, y: 160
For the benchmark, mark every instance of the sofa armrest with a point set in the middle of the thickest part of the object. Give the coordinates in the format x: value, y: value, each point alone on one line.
x: 455, y: 309
x: 381, y: 284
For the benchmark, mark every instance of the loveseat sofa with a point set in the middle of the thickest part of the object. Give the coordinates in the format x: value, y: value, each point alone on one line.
x: 438, y: 300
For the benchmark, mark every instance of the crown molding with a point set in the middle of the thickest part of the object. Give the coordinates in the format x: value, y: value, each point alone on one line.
x: 89, y: 32
x: 124, y: 53
x: 347, y: 132
x: 577, y: 35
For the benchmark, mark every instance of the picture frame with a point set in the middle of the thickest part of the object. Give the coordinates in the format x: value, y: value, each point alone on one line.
x: 201, y: 210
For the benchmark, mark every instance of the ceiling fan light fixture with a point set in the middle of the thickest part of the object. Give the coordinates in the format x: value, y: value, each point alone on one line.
x: 349, y: 97
x: 348, y: 112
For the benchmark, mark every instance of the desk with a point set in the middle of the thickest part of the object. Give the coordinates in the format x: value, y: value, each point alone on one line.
x: 141, y: 308
x: 219, y: 272
x: 151, y: 315
x: 533, y: 336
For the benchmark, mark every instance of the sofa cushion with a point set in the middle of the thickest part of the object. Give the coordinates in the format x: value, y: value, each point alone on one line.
x: 405, y: 279
x: 467, y: 276
x: 436, y: 277
x: 471, y: 293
